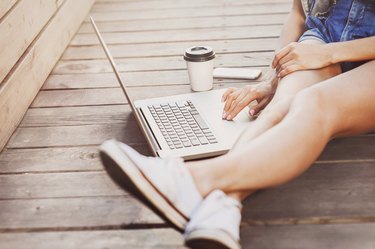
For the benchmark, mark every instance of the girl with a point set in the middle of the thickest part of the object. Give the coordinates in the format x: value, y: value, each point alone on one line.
x: 322, y: 86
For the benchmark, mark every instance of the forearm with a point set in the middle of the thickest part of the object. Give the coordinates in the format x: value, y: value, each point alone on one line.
x: 293, y: 27
x: 292, y: 30
x: 355, y: 50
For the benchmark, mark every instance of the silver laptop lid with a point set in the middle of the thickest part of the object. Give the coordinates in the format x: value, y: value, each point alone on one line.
x: 113, y: 64
x: 152, y: 143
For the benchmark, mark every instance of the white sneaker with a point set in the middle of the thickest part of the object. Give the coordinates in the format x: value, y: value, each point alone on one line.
x: 164, y: 185
x: 215, y: 224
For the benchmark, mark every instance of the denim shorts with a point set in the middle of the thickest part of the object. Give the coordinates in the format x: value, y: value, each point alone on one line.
x: 345, y: 20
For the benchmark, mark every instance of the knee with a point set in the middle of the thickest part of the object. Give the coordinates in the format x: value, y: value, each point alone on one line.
x: 275, y: 112
x: 309, y: 106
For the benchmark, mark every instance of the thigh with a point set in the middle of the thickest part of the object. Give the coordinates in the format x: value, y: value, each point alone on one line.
x: 348, y: 100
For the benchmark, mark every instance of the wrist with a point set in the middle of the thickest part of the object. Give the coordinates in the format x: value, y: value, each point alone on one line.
x: 268, y: 86
x: 333, y: 53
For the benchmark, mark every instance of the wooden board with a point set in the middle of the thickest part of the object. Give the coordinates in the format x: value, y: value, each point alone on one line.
x: 17, y: 92
x: 347, y: 236
x: 168, y: 49
x: 310, y: 199
x: 280, y: 237
x: 112, y: 6
x: 341, y: 236
x: 49, y: 214
x: 87, y: 97
x: 159, y: 63
x: 58, y: 159
x: 20, y: 32
x: 199, y: 35
x: 276, y: 8
x: 86, y: 158
x: 184, y: 23
x: 135, y: 239
x: 5, y: 6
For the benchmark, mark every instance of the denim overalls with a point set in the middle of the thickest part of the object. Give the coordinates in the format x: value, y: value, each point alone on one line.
x: 345, y: 20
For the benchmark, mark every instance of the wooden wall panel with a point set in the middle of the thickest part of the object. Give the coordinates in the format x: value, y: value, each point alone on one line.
x: 5, y: 6
x: 28, y: 75
x: 21, y: 26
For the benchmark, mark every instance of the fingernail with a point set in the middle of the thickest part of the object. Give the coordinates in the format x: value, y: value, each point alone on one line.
x: 252, y: 112
x: 224, y: 115
x: 229, y: 117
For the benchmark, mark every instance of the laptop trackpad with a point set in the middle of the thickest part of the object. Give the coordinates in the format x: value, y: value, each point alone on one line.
x: 210, y: 107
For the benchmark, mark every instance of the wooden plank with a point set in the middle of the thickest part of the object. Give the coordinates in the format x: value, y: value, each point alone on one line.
x: 75, y: 135
x: 159, y: 63
x: 20, y: 32
x: 171, y: 5
x: 178, y: 3
x: 86, y: 158
x: 350, y: 149
x: 225, y: 33
x: 105, y: 80
x: 332, y: 190
x: 23, y: 84
x: 311, y: 199
x: 83, y: 115
x: 116, y: 239
x: 168, y: 49
x: 60, y: 159
x: 276, y: 8
x: 57, y: 185
x: 185, y: 23
x: 5, y: 6
x: 87, y: 97
x: 343, y: 236
x: 69, y: 213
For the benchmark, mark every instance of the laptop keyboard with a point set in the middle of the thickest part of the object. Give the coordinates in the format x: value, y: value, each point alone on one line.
x: 181, y: 125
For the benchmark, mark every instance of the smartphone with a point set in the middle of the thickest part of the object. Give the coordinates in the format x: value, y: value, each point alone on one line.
x: 237, y: 73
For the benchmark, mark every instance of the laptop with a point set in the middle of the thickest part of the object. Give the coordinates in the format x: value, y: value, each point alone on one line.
x: 187, y: 125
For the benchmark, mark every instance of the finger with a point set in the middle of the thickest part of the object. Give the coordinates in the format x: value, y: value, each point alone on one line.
x: 281, y: 53
x: 246, y: 97
x: 285, y: 59
x: 238, y: 108
x: 227, y: 92
x: 244, y: 92
x: 260, y: 106
x: 285, y: 65
x: 229, y: 101
x: 288, y: 70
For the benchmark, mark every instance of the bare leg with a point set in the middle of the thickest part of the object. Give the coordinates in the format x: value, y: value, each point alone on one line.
x: 275, y: 111
x: 288, y: 87
x: 342, y: 105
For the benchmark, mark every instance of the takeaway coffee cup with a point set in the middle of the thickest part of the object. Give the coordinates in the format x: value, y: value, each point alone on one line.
x: 200, y: 64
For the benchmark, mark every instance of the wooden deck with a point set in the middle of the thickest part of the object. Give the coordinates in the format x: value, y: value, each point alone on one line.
x: 54, y: 192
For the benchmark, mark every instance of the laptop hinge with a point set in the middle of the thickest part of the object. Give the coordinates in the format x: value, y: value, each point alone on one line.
x: 149, y: 135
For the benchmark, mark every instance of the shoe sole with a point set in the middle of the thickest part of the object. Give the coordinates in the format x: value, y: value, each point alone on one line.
x: 127, y: 175
x: 210, y: 239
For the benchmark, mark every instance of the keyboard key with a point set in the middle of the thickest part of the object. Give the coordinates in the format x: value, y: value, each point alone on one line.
x: 202, y: 124
x: 179, y: 146
x: 195, y: 142
x: 203, y: 140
